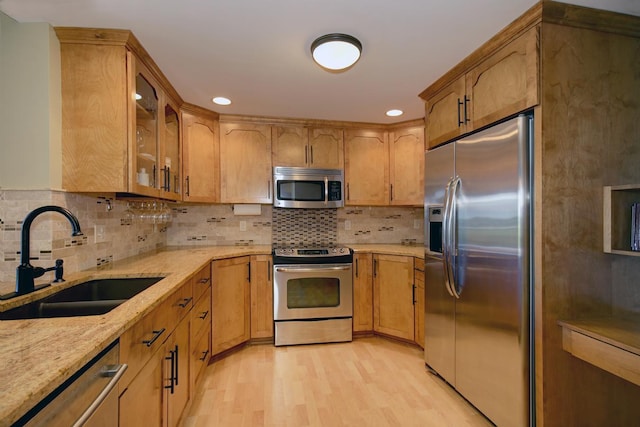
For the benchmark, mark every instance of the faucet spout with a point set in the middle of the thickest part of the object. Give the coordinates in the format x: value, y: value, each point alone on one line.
x: 25, y: 273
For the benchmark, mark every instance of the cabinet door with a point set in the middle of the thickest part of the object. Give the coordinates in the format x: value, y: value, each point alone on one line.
x: 261, y: 297
x: 506, y: 82
x: 95, y: 117
x: 366, y: 167
x: 326, y: 148
x: 445, y: 113
x: 141, y: 401
x: 245, y: 163
x: 418, y: 278
x: 289, y: 144
x: 362, y: 293
x: 176, y: 373
x: 393, y: 296
x: 406, y: 166
x: 230, y: 303
x: 171, y: 153
x: 146, y: 176
x: 201, y: 159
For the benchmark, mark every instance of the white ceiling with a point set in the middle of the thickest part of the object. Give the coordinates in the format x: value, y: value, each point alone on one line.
x: 256, y: 52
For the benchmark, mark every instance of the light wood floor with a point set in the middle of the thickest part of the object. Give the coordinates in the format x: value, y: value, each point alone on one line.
x: 368, y: 382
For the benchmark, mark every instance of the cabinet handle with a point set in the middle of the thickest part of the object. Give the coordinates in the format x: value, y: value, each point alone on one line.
x: 204, y: 315
x: 375, y: 266
x: 156, y: 335
x: 172, y: 359
x: 204, y: 280
x: 177, y: 353
x: 413, y: 294
x: 186, y: 184
x: 392, y: 192
x: 306, y: 158
x: 460, y: 122
x: 466, y: 102
x: 204, y: 355
x: 348, y: 192
x: 154, y: 177
x: 185, y: 302
x: 356, y: 267
x: 311, y: 149
x: 249, y: 271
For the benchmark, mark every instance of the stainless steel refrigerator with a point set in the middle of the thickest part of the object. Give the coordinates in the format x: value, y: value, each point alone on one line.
x: 477, y: 269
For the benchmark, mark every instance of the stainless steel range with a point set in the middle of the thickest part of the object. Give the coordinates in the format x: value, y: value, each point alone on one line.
x: 312, y: 295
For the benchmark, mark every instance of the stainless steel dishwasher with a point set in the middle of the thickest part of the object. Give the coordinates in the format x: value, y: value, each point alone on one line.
x: 88, y: 398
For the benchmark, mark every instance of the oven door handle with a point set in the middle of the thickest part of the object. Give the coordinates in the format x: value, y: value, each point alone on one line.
x: 311, y: 270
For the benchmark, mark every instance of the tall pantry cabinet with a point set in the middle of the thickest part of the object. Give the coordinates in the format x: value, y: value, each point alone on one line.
x: 577, y: 69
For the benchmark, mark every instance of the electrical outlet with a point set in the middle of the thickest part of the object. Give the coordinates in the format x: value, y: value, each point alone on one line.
x: 99, y: 233
x: 417, y: 223
x: 347, y: 225
x: 243, y: 225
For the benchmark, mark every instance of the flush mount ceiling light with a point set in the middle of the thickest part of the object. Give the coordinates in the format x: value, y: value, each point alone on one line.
x: 336, y: 52
x: 221, y: 100
x: 394, y: 113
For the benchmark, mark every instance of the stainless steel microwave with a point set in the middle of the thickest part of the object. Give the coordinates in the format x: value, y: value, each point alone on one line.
x: 295, y: 187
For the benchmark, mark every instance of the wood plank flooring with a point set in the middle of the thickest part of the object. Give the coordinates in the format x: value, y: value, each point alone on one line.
x: 368, y: 382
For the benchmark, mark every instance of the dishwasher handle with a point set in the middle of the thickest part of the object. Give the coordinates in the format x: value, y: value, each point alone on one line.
x: 114, y: 371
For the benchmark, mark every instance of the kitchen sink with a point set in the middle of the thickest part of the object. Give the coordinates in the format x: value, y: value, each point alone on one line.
x: 97, y: 296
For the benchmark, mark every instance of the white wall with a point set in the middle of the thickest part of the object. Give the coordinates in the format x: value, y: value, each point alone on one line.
x: 30, y: 106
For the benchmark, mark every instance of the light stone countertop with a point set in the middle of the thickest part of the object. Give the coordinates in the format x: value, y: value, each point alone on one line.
x: 39, y: 354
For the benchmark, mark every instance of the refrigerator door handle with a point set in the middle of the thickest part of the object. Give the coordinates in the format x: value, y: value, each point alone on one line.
x: 453, y: 240
x: 446, y: 220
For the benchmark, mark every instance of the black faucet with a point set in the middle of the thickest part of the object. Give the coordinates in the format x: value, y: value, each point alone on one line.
x: 25, y: 273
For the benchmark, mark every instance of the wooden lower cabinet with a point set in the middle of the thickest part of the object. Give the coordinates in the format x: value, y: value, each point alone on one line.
x: 393, y: 312
x: 418, y: 277
x: 261, y: 297
x: 176, y: 374
x: 230, y: 303
x: 362, y: 293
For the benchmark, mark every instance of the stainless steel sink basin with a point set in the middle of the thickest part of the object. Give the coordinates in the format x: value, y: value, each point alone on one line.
x: 84, y: 299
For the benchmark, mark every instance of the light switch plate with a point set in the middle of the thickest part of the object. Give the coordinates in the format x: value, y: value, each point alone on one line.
x: 99, y: 233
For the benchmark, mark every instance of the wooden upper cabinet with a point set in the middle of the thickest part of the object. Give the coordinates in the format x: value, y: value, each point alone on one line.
x: 307, y: 147
x: 366, y: 167
x: 245, y: 163
x: 444, y: 112
x: 201, y: 155
x: 119, y: 116
x: 503, y: 84
x: 506, y: 82
x: 406, y: 166
x: 326, y: 148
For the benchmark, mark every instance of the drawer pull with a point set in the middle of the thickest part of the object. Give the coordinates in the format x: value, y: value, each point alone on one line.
x: 204, y: 315
x: 204, y: 355
x: 156, y: 335
x: 185, y: 302
x: 204, y: 280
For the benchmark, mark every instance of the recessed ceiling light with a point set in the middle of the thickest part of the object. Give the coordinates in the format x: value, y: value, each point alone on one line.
x: 394, y: 113
x: 221, y: 100
x: 336, y: 52
x: 138, y: 97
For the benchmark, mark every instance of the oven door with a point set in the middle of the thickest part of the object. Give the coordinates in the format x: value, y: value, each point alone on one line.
x: 312, y: 291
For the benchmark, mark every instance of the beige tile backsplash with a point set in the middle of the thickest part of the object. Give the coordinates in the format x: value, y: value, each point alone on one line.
x: 192, y: 224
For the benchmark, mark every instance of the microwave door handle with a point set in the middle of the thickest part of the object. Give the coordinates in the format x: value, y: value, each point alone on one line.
x: 326, y: 190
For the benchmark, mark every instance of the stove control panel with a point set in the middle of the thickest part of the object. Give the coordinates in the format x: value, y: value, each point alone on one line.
x: 312, y: 252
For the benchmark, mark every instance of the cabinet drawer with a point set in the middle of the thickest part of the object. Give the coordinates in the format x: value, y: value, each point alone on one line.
x: 201, y: 315
x: 201, y: 282
x: 200, y: 355
x: 143, y: 339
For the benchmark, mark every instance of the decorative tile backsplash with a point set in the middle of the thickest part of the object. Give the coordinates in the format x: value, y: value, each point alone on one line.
x: 192, y: 225
x: 51, y: 233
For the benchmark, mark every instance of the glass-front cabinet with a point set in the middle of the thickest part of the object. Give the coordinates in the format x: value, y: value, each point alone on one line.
x: 155, y: 165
